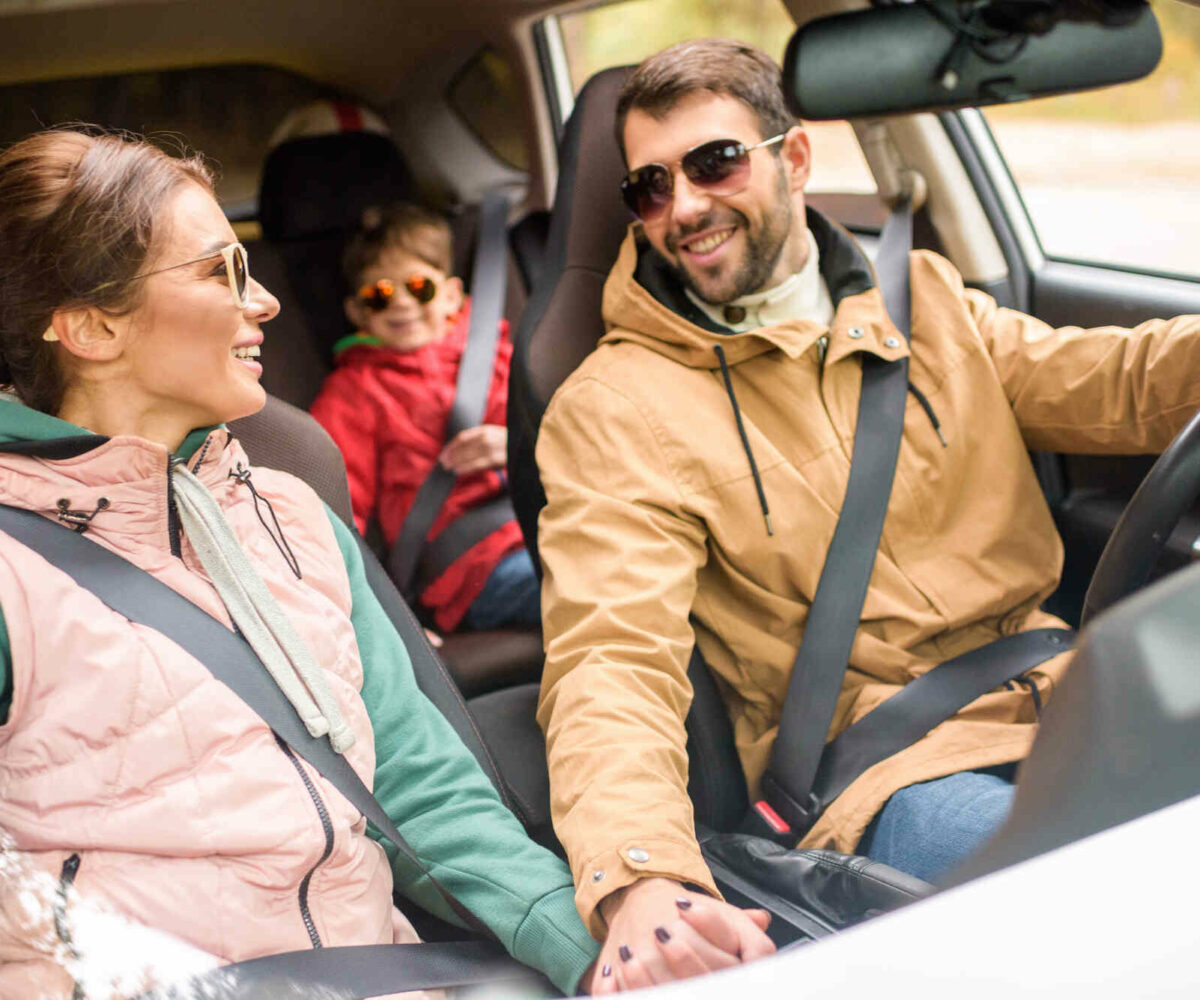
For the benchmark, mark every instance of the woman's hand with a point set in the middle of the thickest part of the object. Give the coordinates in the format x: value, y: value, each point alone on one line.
x: 659, y: 931
x: 476, y: 449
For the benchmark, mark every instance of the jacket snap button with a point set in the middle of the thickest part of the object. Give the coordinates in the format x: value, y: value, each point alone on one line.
x: 891, y: 342
x: 597, y: 876
x: 855, y: 333
x: 637, y: 854
x: 735, y: 314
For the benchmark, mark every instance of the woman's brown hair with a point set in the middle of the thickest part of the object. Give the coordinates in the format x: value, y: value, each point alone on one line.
x: 78, y: 216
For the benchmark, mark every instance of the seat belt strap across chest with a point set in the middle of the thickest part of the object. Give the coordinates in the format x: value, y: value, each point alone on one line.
x: 832, y: 624
x: 142, y: 598
x: 489, y: 274
x: 804, y: 773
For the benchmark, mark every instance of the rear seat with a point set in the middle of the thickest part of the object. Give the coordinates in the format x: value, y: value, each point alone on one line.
x: 313, y: 193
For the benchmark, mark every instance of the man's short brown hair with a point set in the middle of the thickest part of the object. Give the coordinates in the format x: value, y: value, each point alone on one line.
x: 408, y: 228
x: 717, y: 65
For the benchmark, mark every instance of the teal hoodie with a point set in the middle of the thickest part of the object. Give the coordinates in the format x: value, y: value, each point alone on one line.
x: 425, y: 778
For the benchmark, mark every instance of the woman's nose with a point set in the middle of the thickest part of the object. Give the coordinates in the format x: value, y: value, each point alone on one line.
x: 261, y: 304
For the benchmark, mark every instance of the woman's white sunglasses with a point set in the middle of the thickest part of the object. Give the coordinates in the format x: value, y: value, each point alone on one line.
x: 237, y: 271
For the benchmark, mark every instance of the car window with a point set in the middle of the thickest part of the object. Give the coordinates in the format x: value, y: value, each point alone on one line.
x: 486, y: 95
x: 227, y: 112
x: 1113, y: 176
x: 623, y: 33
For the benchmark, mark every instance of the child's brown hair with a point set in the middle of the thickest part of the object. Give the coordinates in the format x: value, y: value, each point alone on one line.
x: 402, y: 226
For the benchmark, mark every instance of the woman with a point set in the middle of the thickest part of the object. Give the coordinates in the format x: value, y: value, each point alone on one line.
x: 129, y: 329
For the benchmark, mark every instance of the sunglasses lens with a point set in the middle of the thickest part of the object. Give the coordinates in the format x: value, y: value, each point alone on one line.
x: 421, y: 288
x: 377, y: 296
x: 647, y: 191
x: 241, y: 272
x: 721, y: 167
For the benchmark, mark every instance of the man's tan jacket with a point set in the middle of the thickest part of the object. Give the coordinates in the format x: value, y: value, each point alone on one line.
x: 653, y: 537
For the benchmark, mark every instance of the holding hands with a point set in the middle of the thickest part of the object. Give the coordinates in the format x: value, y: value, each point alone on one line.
x: 659, y: 931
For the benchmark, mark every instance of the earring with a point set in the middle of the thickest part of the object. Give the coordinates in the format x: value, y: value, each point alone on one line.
x: 50, y: 335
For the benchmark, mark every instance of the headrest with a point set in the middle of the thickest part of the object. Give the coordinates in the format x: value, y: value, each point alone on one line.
x: 332, y: 161
x: 588, y: 208
x: 562, y: 321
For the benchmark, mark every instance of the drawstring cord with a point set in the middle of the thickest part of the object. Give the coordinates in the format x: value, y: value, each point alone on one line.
x: 737, y: 415
x: 257, y: 614
x: 242, y: 475
x: 928, y: 408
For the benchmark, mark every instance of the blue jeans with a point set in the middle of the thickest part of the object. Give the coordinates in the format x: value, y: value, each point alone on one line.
x: 511, y: 596
x: 927, y: 829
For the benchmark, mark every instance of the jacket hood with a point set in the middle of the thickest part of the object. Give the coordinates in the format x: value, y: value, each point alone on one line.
x: 644, y: 303
x: 25, y: 431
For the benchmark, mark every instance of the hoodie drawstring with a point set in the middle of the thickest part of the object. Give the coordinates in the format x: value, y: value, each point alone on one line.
x: 919, y: 396
x: 737, y: 415
x: 256, y: 613
x: 242, y: 475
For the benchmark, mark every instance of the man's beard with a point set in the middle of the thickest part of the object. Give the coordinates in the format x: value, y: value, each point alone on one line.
x: 763, y: 249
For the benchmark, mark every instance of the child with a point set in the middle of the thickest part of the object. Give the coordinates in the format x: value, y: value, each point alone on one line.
x: 387, y: 402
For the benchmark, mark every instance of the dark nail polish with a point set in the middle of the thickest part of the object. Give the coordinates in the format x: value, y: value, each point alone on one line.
x: 625, y: 953
x: 606, y: 971
x: 683, y: 903
x: 662, y: 934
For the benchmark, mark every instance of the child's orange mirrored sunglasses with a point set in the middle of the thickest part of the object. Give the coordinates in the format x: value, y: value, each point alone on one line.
x: 378, y: 295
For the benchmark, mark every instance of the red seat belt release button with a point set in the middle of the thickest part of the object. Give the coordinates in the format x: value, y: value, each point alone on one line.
x: 771, y: 817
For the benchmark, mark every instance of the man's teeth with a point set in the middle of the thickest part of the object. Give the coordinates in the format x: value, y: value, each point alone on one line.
x: 246, y: 353
x: 710, y: 243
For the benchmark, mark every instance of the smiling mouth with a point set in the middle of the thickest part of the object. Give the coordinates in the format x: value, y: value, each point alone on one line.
x: 707, y: 244
x: 246, y: 353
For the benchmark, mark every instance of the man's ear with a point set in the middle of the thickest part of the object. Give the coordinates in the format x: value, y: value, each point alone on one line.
x: 355, y: 311
x: 797, y: 157
x: 88, y: 333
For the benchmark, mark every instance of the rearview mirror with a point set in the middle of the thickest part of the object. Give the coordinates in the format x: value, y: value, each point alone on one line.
x: 928, y: 56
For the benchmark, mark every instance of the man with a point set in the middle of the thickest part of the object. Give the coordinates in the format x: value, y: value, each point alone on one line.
x: 729, y: 307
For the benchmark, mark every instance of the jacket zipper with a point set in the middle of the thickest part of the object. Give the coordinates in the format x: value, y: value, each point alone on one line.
x: 172, y: 514
x: 327, y: 826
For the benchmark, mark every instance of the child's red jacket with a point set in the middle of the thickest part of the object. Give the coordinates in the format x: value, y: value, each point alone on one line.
x: 387, y: 411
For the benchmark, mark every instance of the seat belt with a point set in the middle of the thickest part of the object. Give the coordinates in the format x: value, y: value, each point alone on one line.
x: 488, y: 279
x: 137, y: 595
x: 354, y: 973
x: 804, y: 774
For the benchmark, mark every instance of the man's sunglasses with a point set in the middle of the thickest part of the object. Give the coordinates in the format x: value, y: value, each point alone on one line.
x: 378, y: 295
x: 237, y: 271
x: 720, y: 167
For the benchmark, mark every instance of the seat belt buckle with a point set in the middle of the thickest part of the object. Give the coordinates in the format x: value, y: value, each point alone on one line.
x: 769, y: 816
x: 783, y: 815
x: 763, y: 821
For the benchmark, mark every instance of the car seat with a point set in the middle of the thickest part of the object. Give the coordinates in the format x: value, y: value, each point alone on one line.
x: 561, y: 325
x: 315, y: 186
x: 331, y: 161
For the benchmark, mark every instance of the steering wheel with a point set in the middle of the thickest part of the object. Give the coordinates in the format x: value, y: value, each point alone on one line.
x: 1168, y: 491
